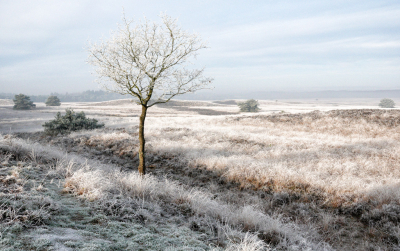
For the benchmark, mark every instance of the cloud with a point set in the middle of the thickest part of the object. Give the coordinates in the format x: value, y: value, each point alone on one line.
x: 318, y: 29
x: 58, y: 73
x: 313, y: 43
x: 34, y: 21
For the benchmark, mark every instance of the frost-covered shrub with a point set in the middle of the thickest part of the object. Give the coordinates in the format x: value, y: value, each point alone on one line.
x: 71, y: 121
x: 23, y: 102
x: 250, y: 105
x: 387, y: 103
x: 53, y: 101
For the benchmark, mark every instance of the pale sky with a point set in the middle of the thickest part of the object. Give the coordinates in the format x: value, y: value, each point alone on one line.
x: 254, y: 45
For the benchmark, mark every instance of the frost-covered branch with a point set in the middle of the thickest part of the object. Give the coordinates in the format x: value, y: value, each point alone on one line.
x: 149, y: 58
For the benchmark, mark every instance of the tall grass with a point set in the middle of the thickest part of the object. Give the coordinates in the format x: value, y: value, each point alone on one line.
x: 341, y: 157
x: 102, y: 185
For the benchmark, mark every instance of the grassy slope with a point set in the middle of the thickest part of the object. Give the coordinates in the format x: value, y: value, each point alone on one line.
x: 37, y: 214
x: 316, y: 172
x: 51, y: 201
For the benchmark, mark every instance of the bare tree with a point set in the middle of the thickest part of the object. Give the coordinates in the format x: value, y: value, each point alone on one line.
x: 149, y: 61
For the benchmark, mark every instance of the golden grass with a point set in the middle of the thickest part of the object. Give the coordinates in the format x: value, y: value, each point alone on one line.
x: 348, y: 158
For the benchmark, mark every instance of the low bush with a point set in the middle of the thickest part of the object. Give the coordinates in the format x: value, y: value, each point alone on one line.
x: 23, y: 102
x: 71, y: 121
x: 53, y: 101
x: 250, y: 105
x: 387, y: 103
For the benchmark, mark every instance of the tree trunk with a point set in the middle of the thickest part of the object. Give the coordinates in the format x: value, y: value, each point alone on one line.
x: 142, y: 166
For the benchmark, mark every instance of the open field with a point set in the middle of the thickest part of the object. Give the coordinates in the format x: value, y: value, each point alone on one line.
x: 124, y: 112
x: 299, y: 175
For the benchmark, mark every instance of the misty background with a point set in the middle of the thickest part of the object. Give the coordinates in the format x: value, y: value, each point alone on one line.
x: 257, y: 49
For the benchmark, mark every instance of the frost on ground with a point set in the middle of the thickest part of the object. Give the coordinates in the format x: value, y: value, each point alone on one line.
x: 53, y: 203
x: 310, y: 181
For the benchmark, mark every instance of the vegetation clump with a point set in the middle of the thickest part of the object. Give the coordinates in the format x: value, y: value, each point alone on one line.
x: 387, y: 103
x: 71, y: 121
x: 23, y: 102
x: 250, y: 105
x: 53, y: 101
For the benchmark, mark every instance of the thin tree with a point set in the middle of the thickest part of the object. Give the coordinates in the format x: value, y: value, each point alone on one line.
x: 149, y: 61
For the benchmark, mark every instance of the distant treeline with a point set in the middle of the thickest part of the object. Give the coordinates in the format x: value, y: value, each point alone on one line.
x: 87, y: 96
x: 274, y: 95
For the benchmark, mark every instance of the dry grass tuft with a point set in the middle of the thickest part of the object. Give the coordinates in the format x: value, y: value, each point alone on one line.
x: 101, y: 185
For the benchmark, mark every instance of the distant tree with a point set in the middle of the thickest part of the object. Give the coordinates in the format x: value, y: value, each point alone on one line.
x: 149, y: 61
x: 23, y: 102
x: 387, y: 103
x: 53, y: 101
x: 71, y: 121
x: 250, y: 105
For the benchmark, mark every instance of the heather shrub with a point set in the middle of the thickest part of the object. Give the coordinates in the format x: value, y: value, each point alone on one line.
x: 23, y: 102
x: 387, y: 103
x: 71, y: 121
x: 250, y: 105
x: 53, y: 101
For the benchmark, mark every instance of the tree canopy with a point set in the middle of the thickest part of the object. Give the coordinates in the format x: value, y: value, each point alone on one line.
x: 151, y: 62
x: 53, y: 101
x: 23, y: 102
x: 387, y: 103
x: 250, y: 105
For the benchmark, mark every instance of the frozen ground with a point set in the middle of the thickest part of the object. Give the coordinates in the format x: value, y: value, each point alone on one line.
x: 299, y: 175
x: 119, y: 113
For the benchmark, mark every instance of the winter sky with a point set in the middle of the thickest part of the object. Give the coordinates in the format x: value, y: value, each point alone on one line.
x: 260, y: 45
